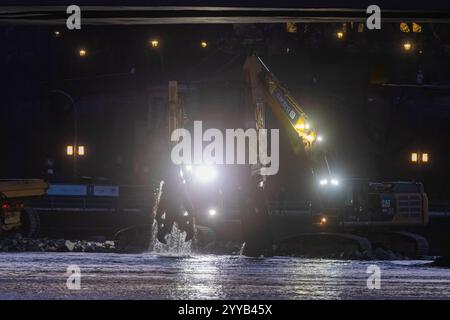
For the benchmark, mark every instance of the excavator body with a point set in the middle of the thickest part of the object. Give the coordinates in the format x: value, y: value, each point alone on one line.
x: 343, y: 208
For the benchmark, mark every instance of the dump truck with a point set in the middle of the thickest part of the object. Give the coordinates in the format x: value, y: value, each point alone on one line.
x: 15, y: 216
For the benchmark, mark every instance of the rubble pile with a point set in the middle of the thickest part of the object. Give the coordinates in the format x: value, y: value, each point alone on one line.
x: 16, y: 243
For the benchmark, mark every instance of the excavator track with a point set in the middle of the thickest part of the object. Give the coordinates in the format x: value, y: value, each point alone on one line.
x: 324, y: 244
x: 422, y: 246
x: 406, y: 243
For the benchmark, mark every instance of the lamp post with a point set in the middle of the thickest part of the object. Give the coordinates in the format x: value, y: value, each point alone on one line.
x: 74, y: 150
x: 156, y: 45
x: 419, y: 159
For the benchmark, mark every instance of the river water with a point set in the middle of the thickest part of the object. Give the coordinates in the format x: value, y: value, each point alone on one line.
x: 195, y: 276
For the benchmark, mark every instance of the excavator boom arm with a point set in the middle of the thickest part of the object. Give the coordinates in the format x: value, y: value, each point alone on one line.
x: 266, y: 88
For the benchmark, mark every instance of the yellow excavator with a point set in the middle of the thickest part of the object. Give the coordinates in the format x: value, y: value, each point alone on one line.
x: 15, y: 217
x: 355, y: 211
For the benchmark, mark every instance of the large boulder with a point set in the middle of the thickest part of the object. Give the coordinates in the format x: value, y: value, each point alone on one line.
x: 70, y: 246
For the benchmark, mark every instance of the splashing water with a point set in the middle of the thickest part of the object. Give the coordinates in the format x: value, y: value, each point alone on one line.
x: 175, y: 243
x: 157, y: 195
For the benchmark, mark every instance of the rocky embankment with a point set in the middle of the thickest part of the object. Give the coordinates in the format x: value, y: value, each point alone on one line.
x: 16, y: 243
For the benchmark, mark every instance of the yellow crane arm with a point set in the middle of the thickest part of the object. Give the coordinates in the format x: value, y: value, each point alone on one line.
x: 265, y: 88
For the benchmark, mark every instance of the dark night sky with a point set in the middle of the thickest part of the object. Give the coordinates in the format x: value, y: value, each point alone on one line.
x: 372, y: 129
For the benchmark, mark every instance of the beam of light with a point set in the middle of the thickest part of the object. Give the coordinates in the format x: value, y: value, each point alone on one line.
x: 205, y: 173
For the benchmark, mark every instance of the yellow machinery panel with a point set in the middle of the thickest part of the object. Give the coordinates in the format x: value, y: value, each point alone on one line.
x: 12, y: 189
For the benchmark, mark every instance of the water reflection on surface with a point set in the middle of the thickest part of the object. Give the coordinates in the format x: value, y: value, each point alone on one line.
x: 153, y: 276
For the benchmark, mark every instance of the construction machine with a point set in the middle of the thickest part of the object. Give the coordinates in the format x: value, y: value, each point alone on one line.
x: 15, y: 217
x: 357, y: 211
x: 353, y: 209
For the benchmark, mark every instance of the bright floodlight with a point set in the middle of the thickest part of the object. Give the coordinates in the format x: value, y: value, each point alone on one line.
x: 335, y: 182
x: 323, y: 182
x: 212, y: 212
x: 205, y: 173
x: 320, y: 138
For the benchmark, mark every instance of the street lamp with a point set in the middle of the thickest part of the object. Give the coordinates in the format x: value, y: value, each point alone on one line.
x: 154, y: 43
x: 407, y: 46
x: 419, y: 157
x: 203, y: 44
x: 340, y: 35
x: 82, y: 52
x: 81, y: 150
x: 419, y: 162
x: 70, y: 150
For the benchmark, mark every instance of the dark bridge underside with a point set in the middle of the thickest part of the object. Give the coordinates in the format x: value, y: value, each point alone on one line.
x: 116, y: 15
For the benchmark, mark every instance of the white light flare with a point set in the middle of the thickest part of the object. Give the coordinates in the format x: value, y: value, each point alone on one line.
x: 205, y: 173
x: 334, y: 182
